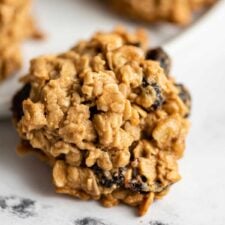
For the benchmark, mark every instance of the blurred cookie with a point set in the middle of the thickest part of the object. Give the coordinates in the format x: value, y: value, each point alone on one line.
x: 15, y: 26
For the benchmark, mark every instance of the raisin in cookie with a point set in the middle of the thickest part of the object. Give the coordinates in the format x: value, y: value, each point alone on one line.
x: 15, y: 26
x: 107, y: 117
x: 176, y: 11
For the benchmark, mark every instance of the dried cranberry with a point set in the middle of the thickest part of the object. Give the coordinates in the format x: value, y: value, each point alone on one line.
x: 115, y: 178
x: 184, y: 96
x: 17, y: 106
x: 158, y: 54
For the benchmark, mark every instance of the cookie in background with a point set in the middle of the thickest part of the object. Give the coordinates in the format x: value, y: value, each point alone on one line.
x: 175, y: 11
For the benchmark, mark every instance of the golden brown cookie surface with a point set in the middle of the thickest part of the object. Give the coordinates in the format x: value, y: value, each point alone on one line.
x: 107, y: 117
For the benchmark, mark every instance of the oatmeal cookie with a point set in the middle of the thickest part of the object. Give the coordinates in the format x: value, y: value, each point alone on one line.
x: 176, y: 11
x: 108, y: 119
x: 15, y: 25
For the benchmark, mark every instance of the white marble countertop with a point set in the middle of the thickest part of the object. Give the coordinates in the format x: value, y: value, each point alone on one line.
x: 27, y: 195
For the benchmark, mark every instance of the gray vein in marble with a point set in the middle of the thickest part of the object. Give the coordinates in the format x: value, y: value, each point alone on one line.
x: 90, y: 221
x: 156, y: 222
x: 21, y: 207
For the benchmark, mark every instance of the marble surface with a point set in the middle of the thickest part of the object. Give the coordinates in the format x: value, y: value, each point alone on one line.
x: 27, y: 195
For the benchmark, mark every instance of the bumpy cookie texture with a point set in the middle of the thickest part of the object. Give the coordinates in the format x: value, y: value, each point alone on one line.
x: 107, y: 119
x: 176, y: 11
x: 15, y: 25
